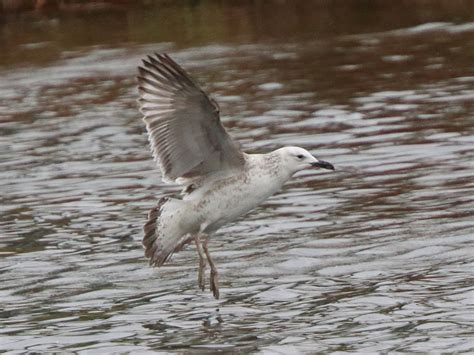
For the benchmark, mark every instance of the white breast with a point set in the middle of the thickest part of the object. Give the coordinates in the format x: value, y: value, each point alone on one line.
x: 223, y: 201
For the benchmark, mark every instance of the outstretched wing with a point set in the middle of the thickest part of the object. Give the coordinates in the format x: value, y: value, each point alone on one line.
x: 186, y: 136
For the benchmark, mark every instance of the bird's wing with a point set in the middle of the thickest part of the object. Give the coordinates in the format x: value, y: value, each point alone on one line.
x: 186, y: 136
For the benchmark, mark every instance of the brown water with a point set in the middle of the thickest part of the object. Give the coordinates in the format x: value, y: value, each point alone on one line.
x: 376, y: 257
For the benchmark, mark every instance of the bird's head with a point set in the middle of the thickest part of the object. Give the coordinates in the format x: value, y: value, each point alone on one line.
x: 296, y: 159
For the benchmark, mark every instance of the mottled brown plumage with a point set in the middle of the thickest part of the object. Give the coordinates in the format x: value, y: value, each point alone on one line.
x: 150, y: 240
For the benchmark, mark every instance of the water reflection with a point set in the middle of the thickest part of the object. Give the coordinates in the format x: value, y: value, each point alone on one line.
x: 374, y: 257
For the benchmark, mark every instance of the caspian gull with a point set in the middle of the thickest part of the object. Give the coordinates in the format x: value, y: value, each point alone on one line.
x: 192, y: 148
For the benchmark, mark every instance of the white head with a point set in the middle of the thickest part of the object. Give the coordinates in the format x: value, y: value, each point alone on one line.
x: 296, y: 159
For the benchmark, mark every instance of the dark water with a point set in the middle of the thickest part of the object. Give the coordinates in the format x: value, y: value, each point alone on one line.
x: 376, y: 257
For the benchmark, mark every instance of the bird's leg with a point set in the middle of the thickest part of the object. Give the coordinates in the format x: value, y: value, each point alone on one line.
x: 202, y: 262
x: 214, y: 274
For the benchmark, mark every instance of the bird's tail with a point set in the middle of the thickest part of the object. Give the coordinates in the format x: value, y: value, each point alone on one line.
x: 165, y: 232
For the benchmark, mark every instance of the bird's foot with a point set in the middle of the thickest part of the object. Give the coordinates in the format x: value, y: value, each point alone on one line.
x: 201, y: 276
x: 214, y: 284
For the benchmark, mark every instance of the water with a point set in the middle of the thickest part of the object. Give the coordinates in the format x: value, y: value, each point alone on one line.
x: 377, y: 256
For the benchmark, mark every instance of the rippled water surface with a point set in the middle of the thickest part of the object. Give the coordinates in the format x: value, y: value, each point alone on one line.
x: 377, y: 256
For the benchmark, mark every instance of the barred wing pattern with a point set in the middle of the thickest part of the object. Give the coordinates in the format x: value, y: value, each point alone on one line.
x: 186, y: 136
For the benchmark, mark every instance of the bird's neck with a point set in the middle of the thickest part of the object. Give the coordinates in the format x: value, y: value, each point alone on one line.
x: 271, y: 165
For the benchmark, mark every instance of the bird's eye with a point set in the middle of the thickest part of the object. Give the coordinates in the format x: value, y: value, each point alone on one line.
x: 300, y: 156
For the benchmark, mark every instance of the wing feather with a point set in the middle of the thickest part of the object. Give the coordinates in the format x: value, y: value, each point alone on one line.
x: 186, y: 135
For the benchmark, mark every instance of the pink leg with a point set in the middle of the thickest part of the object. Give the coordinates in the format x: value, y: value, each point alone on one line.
x: 202, y: 262
x: 214, y: 274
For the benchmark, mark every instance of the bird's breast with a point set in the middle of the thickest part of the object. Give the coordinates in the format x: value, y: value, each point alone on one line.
x: 225, y: 200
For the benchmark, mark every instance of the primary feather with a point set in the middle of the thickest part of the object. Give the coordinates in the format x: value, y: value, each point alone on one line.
x: 186, y: 136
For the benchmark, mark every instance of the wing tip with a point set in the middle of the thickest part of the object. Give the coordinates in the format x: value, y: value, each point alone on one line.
x: 153, y: 250
x: 168, y: 70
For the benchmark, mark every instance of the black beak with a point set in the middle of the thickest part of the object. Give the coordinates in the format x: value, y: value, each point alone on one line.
x: 323, y: 164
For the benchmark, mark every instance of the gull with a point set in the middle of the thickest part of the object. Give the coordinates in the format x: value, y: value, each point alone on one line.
x: 193, y: 149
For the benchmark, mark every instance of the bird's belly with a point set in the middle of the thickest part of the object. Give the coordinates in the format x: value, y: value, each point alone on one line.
x: 227, y: 203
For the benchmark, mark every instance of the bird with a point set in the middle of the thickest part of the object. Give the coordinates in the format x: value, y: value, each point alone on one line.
x: 219, y: 181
